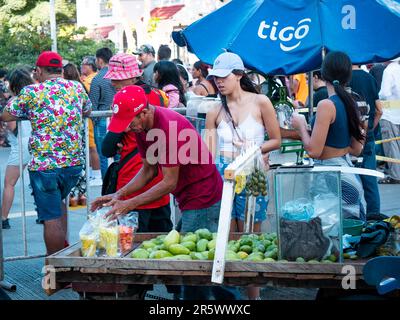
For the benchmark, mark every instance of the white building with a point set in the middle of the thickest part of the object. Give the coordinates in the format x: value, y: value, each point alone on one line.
x: 131, y: 23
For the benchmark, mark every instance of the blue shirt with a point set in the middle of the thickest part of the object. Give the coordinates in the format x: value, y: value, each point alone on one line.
x: 339, y: 134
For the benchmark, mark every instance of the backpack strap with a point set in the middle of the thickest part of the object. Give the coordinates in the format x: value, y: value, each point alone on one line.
x: 127, y: 158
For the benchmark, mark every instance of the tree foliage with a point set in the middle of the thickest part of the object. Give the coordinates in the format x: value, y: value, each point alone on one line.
x: 25, y: 32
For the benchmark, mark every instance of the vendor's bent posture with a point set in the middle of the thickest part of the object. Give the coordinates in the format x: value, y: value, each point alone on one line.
x: 167, y: 140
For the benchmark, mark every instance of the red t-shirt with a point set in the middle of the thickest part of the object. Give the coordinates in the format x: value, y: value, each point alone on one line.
x: 131, y: 169
x: 174, y: 141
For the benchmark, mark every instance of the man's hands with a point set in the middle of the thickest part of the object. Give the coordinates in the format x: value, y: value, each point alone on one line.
x: 104, y: 201
x: 119, y: 207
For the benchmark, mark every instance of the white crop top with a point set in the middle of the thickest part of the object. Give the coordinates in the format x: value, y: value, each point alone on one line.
x: 249, y: 130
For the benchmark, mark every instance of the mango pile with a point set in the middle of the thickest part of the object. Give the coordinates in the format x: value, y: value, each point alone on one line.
x: 200, y: 245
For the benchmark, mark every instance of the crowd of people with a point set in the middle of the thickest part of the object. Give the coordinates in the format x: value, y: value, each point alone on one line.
x: 142, y: 90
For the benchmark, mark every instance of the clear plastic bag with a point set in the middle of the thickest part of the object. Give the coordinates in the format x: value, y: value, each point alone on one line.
x: 128, y: 225
x: 88, y: 237
x: 108, y: 238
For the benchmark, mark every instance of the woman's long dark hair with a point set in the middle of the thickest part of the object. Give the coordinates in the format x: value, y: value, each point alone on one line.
x: 168, y: 74
x: 247, y: 85
x: 20, y: 78
x: 200, y: 65
x: 337, y: 69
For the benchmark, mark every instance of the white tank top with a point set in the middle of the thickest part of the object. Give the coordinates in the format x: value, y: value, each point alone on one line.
x: 249, y: 130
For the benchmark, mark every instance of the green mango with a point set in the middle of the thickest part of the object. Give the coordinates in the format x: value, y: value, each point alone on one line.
x: 272, y: 247
x: 266, y: 243
x: 272, y: 254
x: 313, y: 261
x: 197, y: 256
x: 232, y: 242
x: 257, y: 256
x: 246, y: 242
x: 182, y: 257
x: 204, y: 254
x: 190, y: 245
x: 253, y: 237
x: 231, y: 256
x: 178, y: 249
x: 332, y: 258
x: 246, y: 248
x: 269, y: 260
x: 204, y: 234
x: 173, y: 237
x: 140, y: 254
x: 160, y: 254
x: 148, y: 244
x: 327, y: 261
x: 259, y: 248
x: 242, y: 255
x: 211, y: 244
x: 300, y: 259
x: 160, y: 247
x: 202, y: 245
x: 214, y: 236
x: 211, y: 254
x: 189, y: 237
x: 161, y: 237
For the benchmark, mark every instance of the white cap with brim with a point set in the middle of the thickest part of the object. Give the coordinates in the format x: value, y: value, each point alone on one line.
x: 225, y: 64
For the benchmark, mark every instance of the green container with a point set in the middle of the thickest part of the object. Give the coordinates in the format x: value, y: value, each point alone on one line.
x: 352, y: 226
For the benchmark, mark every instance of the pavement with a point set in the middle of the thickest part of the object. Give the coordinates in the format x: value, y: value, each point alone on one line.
x: 27, y: 273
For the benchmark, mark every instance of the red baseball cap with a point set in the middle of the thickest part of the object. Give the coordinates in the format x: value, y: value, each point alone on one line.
x: 49, y: 59
x: 127, y: 104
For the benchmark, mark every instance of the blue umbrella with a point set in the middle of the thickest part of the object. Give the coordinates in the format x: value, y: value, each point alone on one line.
x: 289, y: 36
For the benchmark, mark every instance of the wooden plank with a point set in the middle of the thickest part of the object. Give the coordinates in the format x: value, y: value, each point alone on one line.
x: 224, y: 224
x: 231, y: 266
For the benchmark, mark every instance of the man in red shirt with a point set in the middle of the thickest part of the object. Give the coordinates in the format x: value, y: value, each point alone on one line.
x: 123, y: 70
x: 167, y: 140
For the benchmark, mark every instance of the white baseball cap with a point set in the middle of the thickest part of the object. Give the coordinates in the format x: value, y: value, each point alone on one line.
x: 224, y: 64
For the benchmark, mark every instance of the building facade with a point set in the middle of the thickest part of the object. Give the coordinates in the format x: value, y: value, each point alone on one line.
x: 131, y: 23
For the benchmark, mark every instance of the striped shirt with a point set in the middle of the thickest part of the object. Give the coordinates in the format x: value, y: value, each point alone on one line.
x: 101, y: 91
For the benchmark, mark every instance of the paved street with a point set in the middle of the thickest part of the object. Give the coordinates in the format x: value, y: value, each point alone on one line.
x: 26, y: 274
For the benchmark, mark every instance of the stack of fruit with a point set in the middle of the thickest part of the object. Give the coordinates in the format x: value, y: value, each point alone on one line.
x: 256, y: 183
x: 200, y: 245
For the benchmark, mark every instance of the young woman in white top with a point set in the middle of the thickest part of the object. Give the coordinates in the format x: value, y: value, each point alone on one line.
x: 19, y: 78
x: 243, y: 117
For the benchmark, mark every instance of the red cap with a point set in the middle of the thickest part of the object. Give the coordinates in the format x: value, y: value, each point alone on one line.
x: 49, y: 59
x: 127, y: 104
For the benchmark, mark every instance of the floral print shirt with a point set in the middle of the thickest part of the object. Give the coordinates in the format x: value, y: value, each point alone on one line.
x: 54, y: 108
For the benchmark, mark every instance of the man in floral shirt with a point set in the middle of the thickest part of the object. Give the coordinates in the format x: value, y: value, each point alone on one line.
x: 55, y: 108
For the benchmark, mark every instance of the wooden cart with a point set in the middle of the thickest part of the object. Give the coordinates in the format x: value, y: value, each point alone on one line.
x: 114, y: 275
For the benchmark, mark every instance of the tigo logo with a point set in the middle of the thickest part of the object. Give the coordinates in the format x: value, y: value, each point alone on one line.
x: 286, y: 34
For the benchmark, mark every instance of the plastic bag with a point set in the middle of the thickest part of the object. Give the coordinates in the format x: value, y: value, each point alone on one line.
x: 327, y: 208
x: 88, y: 237
x: 108, y: 238
x: 127, y: 227
x: 298, y: 210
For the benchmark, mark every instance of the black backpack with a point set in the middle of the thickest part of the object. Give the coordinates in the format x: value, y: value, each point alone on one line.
x: 111, y: 176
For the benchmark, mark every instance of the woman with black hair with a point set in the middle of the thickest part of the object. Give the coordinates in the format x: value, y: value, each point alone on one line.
x: 18, y: 79
x: 166, y: 75
x: 241, y: 119
x: 336, y: 131
x: 203, y: 87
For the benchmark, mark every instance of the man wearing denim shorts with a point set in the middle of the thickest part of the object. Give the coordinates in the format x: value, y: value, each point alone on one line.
x: 168, y: 141
x: 55, y: 108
